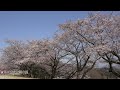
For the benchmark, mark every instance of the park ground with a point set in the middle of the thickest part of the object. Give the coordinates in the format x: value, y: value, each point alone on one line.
x: 12, y: 77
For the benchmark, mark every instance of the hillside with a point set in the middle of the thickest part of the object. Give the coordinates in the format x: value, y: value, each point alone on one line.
x: 101, y: 73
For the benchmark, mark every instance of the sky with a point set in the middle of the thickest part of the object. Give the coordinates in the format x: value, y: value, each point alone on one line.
x: 29, y: 25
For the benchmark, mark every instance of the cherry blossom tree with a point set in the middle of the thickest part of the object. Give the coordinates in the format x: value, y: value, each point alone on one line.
x: 73, y: 52
x: 13, y: 53
x: 102, y: 33
x: 76, y: 50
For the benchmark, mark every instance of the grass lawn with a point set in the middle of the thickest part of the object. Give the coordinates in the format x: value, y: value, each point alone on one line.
x: 12, y: 77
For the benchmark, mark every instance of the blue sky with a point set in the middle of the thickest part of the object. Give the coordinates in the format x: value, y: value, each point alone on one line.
x: 27, y: 25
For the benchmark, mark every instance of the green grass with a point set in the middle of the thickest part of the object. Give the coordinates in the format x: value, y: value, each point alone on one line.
x: 12, y: 77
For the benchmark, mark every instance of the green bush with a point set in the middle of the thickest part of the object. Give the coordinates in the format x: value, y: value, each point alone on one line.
x: 34, y: 70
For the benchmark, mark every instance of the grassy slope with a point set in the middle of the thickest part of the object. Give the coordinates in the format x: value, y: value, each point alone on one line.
x: 12, y: 77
